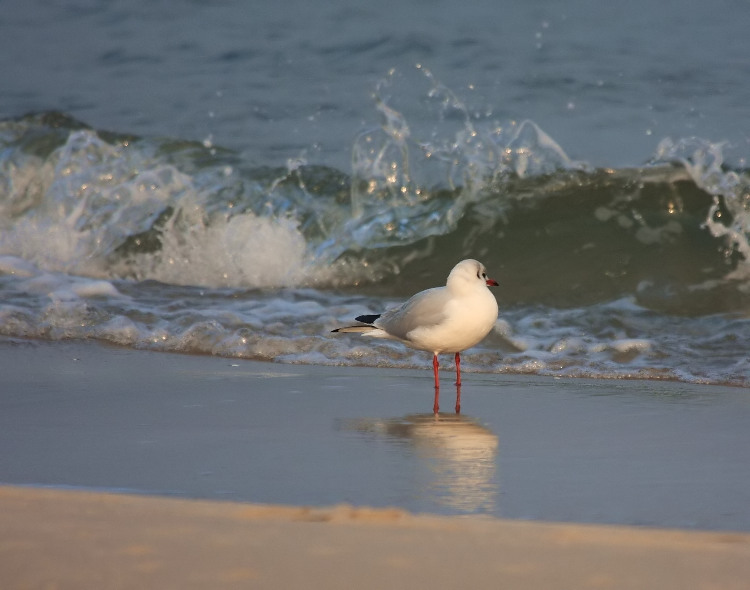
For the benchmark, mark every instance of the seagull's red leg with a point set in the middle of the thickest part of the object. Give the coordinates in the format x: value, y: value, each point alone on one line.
x: 458, y: 368
x: 458, y: 399
x: 435, y: 367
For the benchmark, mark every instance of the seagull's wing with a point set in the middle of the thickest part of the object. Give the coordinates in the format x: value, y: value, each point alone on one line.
x: 425, y: 309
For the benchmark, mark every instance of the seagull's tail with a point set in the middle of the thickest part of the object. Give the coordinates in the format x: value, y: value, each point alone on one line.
x: 356, y: 329
x: 367, y: 319
x: 360, y: 329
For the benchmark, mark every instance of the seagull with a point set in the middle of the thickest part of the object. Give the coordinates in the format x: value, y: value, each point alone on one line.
x: 440, y: 320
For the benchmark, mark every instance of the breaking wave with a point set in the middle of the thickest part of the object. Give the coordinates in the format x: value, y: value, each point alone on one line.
x: 97, y: 204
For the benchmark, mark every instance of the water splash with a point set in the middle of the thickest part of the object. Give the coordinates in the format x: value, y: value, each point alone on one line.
x: 729, y: 216
x: 122, y: 209
x: 412, y: 181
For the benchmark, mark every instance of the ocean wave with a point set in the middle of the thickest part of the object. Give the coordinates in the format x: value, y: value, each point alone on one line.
x: 615, y: 340
x: 673, y: 233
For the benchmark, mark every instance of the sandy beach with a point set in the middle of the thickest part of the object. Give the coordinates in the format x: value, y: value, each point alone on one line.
x: 63, y: 539
x: 283, y: 445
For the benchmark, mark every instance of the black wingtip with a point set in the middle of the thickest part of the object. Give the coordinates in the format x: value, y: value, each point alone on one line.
x: 367, y: 319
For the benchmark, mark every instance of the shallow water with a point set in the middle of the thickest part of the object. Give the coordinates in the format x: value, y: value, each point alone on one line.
x: 213, y: 178
x: 637, y: 452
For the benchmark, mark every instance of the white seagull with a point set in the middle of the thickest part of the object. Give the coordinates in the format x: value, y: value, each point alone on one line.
x: 446, y: 319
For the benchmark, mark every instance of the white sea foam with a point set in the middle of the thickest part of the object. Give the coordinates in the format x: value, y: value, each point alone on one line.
x: 294, y: 327
x: 89, y: 196
x: 95, y: 289
x: 243, y: 251
x: 637, y: 345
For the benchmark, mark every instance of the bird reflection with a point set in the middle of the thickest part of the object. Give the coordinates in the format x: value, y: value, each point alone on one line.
x: 457, y: 456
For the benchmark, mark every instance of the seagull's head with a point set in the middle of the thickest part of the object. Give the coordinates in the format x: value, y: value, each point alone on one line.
x: 469, y: 274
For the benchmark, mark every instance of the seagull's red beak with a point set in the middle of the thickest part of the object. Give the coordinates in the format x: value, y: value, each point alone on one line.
x: 492, y: 283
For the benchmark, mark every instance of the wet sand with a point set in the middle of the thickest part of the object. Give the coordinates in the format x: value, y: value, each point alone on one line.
x: 87, y: 417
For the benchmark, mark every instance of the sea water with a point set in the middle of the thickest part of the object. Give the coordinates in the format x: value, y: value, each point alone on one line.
x: 237, y: 179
